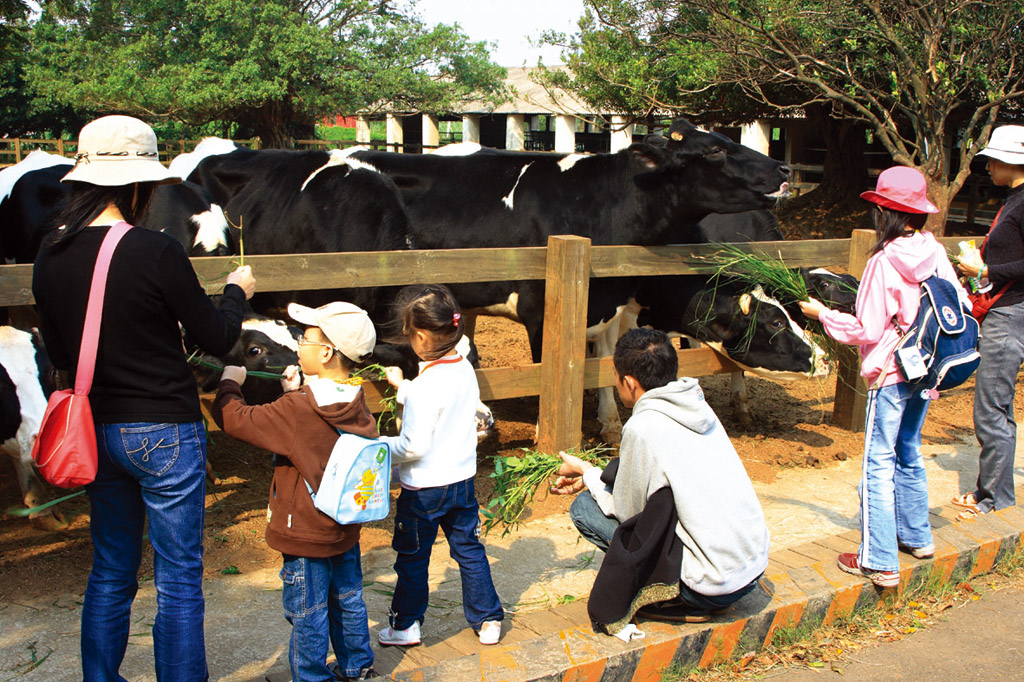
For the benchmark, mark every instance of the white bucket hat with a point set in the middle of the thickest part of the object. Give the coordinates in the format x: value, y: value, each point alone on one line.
x: 1006, y: 145
x: 345, y: 325
x: 118, y: 150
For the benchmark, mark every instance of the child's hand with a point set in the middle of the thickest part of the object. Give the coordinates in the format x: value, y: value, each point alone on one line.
x: 242, y: 276
x: 292, y: 378
x: 233, y: 373
x: 568, y: 485
x: 394, y: 375
x: 812, y: 308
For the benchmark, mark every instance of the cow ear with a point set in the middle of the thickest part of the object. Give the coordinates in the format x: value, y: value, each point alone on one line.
x: 648, y: 156
x: 745, y: 301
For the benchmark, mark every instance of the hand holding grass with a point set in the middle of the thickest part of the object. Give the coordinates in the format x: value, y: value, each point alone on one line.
x: 812, y: 308
x: 570, y: 474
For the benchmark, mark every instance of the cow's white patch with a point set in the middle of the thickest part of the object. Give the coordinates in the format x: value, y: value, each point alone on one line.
x: 182, y: 165
x: 211, y: 229
x: 276, y: 331
x: 36, y: 160
x: 571, y: 160
x: 18, y: 356
x: 604, y: 335
x: 458, y: 149
x: 509, y: 199
x: 342, y: 157
x: 509, y: 309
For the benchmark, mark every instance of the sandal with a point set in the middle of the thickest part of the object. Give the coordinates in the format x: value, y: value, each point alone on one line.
x: 966, y: 501
x: 967, y: 514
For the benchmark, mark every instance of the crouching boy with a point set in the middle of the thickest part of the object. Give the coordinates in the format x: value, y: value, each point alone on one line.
x: 322, y: 572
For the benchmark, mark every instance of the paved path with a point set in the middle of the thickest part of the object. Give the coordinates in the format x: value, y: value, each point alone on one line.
x: 542, y: 565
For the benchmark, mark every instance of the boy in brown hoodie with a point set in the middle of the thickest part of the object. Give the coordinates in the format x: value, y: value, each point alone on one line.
x: 322, y: 572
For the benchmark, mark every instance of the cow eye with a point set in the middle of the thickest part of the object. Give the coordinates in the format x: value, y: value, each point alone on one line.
x: 254, y: 351
x: 715, y: 151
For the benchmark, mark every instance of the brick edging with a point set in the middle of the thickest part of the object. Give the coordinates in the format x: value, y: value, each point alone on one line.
x: 803, y: 588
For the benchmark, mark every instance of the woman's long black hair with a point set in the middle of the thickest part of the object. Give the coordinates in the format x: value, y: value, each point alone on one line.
x: 85, y: 201
x: 892, y: 224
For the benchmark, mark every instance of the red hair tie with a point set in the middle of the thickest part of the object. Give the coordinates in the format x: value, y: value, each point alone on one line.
x: 455, y: 319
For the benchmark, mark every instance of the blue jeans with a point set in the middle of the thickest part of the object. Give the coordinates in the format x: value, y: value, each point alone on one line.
x: 893, y: 485
x: 592, y: 524
x: 159, y: 471
x: 1002, y: 353
x: 454, y: 508
x: 323, y: 601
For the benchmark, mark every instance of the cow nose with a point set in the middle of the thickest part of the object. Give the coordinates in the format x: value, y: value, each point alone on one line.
x: 785, y: 170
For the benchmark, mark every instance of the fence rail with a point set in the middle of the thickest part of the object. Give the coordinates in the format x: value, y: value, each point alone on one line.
x: 567, y: 265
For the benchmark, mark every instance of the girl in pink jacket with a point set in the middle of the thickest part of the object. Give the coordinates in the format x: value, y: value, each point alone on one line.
x: 893, y: 487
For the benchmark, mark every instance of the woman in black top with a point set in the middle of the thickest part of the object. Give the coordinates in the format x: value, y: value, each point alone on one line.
x: 1002, y: 330
x: 149, y: 430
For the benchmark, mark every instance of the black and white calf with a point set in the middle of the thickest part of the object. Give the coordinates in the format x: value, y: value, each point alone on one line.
x: 26, y: 381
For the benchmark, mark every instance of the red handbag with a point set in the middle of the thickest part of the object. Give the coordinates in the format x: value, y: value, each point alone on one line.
x: 982, y: 302
x: 65, y: 449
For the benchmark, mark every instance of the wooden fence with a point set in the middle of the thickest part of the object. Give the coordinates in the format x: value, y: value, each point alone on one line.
x: 567, y: 264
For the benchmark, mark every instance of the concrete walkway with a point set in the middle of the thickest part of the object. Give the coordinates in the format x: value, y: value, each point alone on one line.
x: 543, y: 573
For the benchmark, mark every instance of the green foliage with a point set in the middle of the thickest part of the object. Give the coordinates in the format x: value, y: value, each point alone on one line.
x: 918, y: 75
x: 517, y: 479
x: 271, y: 68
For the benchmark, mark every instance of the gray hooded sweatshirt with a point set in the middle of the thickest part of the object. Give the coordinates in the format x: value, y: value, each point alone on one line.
x: 675, y: 439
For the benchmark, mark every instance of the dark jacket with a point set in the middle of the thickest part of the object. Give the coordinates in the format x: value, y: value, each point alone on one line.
x: 302, y: 435
x: 141, y: 371
x: 641, y: 567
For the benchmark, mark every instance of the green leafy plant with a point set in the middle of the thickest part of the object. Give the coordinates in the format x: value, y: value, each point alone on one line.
x: 231, y: 570
x: 517, y: 478
x: 388, y: 401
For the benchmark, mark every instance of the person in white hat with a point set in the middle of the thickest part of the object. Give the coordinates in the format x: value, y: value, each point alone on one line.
x: 149, y: 428
x: 1000, y: 310
x: 322, y: 577
x: 894, y: 486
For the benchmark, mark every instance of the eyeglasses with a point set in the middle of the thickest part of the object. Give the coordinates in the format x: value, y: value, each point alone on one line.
x: 303, y: 341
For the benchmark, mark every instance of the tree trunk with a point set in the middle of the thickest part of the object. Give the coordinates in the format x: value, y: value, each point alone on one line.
x: 845, y: 171
x: 940, y: 193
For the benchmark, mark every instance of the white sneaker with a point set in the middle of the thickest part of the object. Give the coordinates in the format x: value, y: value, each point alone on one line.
x: 407, y: 637
x: 490, y: 632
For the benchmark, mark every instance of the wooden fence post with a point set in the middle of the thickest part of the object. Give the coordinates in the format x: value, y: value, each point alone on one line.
x: 567, y: 287
x: 851, y: 391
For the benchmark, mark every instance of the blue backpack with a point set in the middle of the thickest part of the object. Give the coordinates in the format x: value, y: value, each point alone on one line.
x: 356, y: 480
x: 940, y: 350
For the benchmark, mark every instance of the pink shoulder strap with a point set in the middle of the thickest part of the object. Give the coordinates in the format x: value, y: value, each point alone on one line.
x: 94, y: 310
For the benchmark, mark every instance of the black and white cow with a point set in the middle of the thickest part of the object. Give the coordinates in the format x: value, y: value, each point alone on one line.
x: 654, y: 192
x: 31, y: 194
x: 26, y: 382
x: 303, y: 202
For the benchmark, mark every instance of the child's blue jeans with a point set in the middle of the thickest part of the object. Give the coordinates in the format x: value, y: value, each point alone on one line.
x: 323, y: 601
x: 454, y: 508
x: 894, y: 485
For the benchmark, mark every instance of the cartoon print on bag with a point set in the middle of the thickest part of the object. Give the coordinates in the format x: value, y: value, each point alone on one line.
x: 152, y: 448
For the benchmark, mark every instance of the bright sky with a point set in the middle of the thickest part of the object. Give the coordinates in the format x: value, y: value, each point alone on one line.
x: 510, y: 23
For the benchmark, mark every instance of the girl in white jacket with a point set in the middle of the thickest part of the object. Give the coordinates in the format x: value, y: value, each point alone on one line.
x: 436, y: 456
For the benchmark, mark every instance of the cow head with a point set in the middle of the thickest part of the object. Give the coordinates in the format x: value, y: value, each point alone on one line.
x: 753, y: 330
x: 838, y: 292
x: 711, y: 172
x: 265, y: 345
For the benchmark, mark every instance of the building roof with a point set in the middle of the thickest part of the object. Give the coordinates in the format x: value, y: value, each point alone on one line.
x: 530, y: 97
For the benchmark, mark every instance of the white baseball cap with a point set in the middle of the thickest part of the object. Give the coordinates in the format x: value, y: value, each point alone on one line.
x: 345, y: 325
x: 118, y: 150
x: 1006, y: 145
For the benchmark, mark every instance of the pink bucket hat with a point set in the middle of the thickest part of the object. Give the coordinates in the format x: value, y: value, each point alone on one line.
x: 902, y: 189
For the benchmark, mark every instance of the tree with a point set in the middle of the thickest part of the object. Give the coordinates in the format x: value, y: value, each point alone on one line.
x: 929, y: 78
x: 272, y: 67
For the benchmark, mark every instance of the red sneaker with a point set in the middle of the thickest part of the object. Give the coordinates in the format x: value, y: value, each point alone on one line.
x: 847, y: 561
